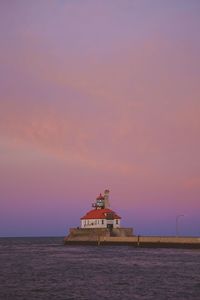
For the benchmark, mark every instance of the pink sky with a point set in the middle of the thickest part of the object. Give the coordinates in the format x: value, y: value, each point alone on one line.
x: 95, y: 95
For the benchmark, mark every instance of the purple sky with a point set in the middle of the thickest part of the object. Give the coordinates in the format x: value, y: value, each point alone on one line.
x: 94, y: 95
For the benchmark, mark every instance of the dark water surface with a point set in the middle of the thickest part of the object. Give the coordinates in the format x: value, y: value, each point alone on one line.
x: 43, y: 268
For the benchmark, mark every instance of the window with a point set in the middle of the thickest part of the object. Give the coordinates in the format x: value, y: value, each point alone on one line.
x: 102, y: 222
x: 117, y: 222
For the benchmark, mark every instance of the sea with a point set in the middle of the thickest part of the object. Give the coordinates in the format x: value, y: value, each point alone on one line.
x: 44, y: 268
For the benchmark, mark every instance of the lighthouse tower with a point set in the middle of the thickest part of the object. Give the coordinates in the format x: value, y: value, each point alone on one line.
x: 101, y: 216
x: 106, y: 199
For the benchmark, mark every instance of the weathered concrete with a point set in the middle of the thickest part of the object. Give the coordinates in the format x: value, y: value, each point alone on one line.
x: 121, y: 232
x: 124, y: 237
x: 96, y: 234
x: 87, y: 234
x: 154, y: 241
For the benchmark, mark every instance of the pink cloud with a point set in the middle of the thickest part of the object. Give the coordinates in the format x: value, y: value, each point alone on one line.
x: 192, y: 183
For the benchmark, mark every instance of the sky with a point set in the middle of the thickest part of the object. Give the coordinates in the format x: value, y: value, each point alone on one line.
x: 95, y: 95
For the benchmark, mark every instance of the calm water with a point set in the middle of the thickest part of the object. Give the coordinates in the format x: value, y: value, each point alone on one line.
x: 43, y: 268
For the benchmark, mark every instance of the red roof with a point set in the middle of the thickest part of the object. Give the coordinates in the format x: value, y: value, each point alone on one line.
x: 99, y: 214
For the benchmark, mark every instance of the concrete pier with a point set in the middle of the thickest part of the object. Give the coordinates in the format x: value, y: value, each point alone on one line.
x: 104, y: 237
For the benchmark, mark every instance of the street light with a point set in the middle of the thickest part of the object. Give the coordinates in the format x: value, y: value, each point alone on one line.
x: 177, y: 229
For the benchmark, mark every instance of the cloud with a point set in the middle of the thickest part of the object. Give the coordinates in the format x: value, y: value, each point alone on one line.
x: 121, y: 101
x: 192, y: 183
x: 64, y: 137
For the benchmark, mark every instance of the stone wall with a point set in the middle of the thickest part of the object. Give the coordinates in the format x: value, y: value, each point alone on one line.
x: 86, y: 234
x: 121, y: 232
x: 94, y: 234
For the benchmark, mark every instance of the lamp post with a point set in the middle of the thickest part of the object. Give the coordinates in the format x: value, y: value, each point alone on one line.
x: 177, y: 228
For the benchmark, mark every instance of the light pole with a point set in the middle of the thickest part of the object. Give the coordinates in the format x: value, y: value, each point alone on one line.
x: 177, y: 229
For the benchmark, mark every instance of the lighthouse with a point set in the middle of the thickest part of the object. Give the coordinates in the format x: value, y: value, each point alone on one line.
x: 101, y: 225
x: 101, y: 216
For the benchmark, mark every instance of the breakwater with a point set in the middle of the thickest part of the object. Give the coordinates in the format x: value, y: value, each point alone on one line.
x: 104, y: 237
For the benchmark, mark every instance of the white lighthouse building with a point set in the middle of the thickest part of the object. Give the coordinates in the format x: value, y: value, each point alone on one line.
x: 101, y: 216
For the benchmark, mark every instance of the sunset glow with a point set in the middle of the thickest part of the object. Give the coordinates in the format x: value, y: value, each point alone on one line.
x: 95, y: 95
